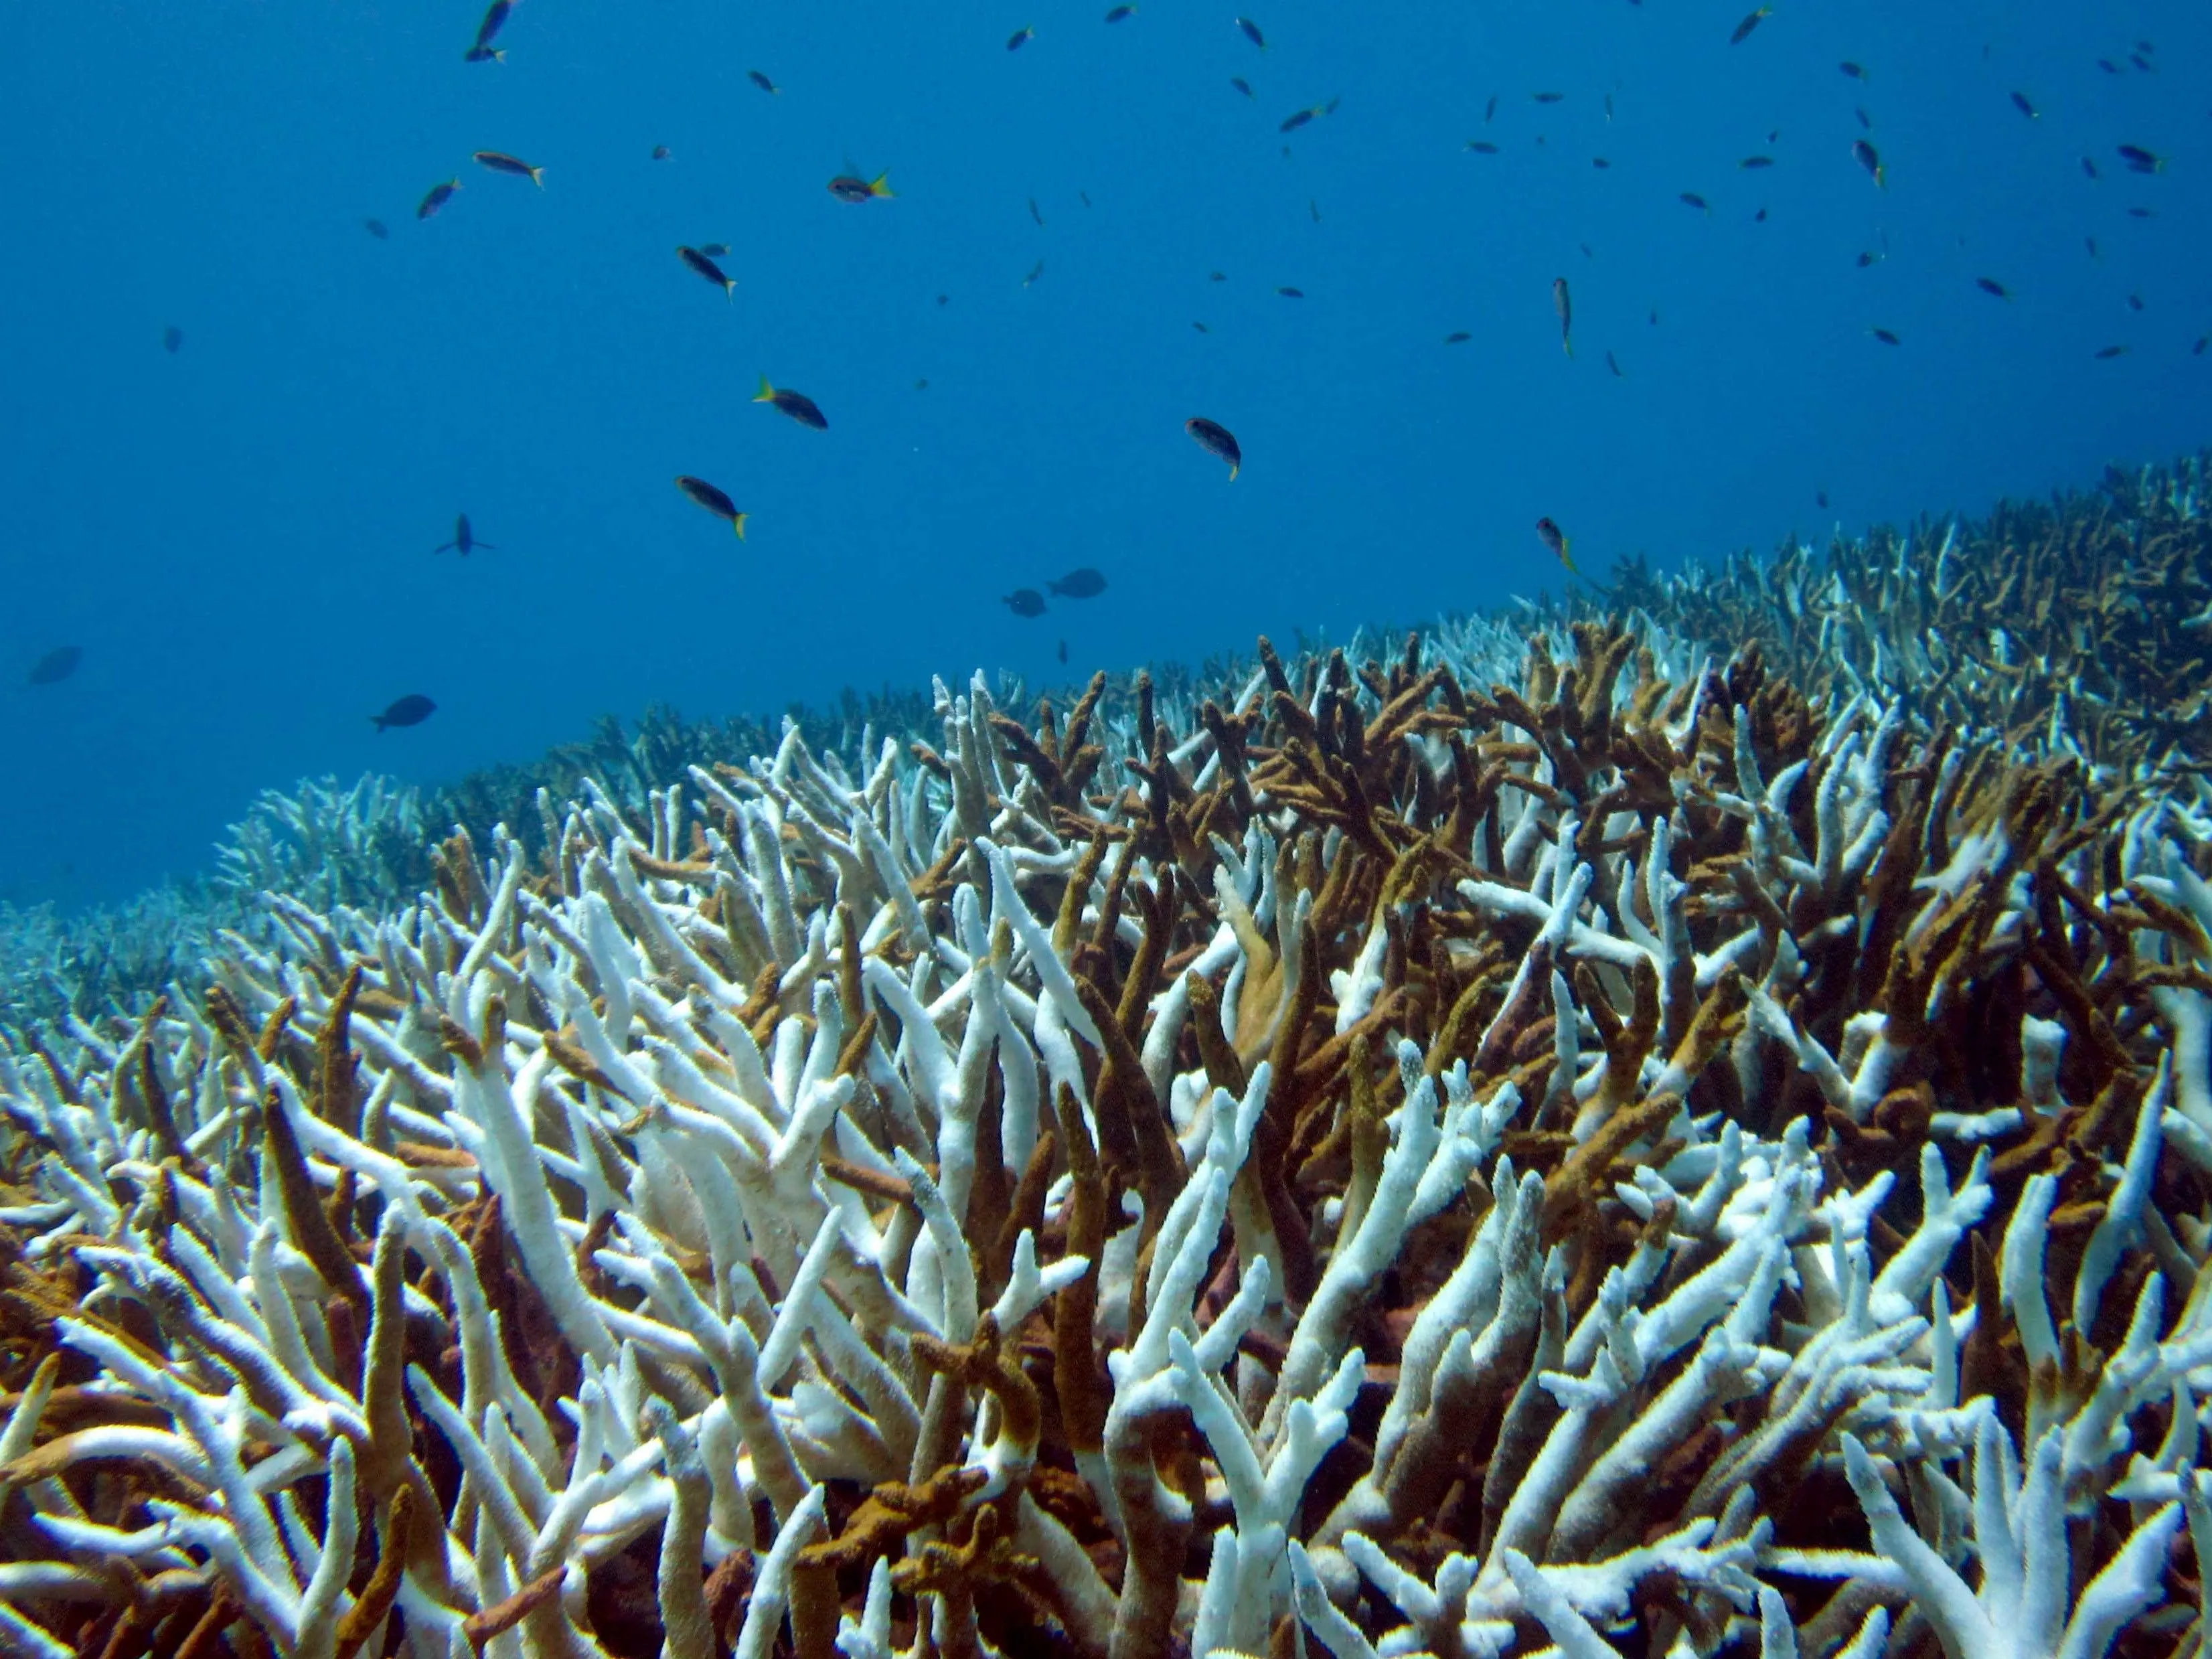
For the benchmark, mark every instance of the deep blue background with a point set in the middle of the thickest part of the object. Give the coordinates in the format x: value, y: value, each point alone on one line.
x: 239, y: 535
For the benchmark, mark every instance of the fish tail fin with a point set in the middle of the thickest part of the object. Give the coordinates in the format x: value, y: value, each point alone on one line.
x: 1567, y: 556
x: 729, y: 287
x: 1567, y: 345
x: 537, y: 176
x: 737, y: 524
x: 1233, y: 467
x: 765, y: 394
x: 880, y: 184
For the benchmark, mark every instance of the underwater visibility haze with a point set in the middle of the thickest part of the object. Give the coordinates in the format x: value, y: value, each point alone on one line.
x: 237, y: 531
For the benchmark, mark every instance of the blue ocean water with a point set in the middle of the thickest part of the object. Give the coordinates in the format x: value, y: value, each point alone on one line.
x: 238, y: 532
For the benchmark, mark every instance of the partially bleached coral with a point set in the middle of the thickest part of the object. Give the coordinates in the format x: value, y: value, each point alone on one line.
x: 1503, y: 1145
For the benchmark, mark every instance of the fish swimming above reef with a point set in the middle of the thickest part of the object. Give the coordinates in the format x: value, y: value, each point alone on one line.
x: 713, y: 500
x: 1024, y: 602
x: 797, y: 405
x: 1216, y: 439
x: 57, y: 665
x: 1082, y: 583
x: 1743, y: 29
x: 1563, y: 303
x: 1555, y: 539
x: 761, y: 81
x: 697, y: 260
x: 498, y: 160
x: 375, y: 227
x: 850, y: 187
x: 1250, y: 31
x: 410, y: 710
x: 1864, y: 154
x: 173, y: 339
x: 436, y: 197
x: 464, y: 540
x: 2140, y: 159
x: 1020, y: 38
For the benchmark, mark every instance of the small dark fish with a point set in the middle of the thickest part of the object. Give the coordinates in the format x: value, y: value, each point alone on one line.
x: 2111, y: 351
x: 847, y: 187
x: 1083, y: 583
x: 1599, y: 163
x: 1217, y: 275
x: 2141, y: 62
x: 697, y: 259
x: 1291, y: 292
x: 1852, y: 70
x: 761, y: 81
x: 1759, y: 217
x: 1548, y: 97
x: 1990, y: 285
x: 1035, y: 271
x: 376, y: 228
x: 1020, y: 38
x: 1034, y: 214
x: 1216, y: 439
x: 2090, y: 242
x: 464, y: 540
x: 1241, y: 84
x: 1084, y: 197
x: 2088, y: 166
x: 173, y: 339
x: 1482, y: 147
x: 2135, y: 303
x: 2145, y: 46
x: 1752, y: 163
x: 1114, y: 15
x: 1024, y: 602
x: 2142, y: 213
x: 797, y: 405
x: 495, y: 19
x: 2108, y: 66
x: 438, y: 197
x: 2020, y: 102
x: 57, y: 665
x: 500, y: 162
x: 1863, y: 153
x: 1585, y: 247
x: 714, y: 250
x: 1614, y: 366
x: 1885, y: 336
x: 2203, y: 340
x: 1555, y: 539
x: 944, y: 299
x: 1743, y: 29
x: 1201, y: 328
x: 1820, y: 498
x: 1655, y: 318
x: 1063, y: 644
x: 410, y: 710
x: 1870, y: 257
x: 1865, y: 120
x: 1562, y: 302
x: 2140, y: 159
x: 1693, y: 199
x: 1490, y: 110
x: 483, y: 54
x: 714, y: 501
x: 661, y: 152
x: 1459, y: 336
x: 1297, y: 119
x: 1250, y: 31
x: 921, y: 385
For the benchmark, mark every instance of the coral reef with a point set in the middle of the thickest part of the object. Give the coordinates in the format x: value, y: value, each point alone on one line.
x: 1544, y: 1138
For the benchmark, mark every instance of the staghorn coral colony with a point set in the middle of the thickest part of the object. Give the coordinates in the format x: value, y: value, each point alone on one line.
x: 1547, y: 1139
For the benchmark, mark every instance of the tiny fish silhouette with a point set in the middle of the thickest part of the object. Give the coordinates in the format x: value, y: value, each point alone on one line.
x: 761, y: 81
x: 1063, y: 644
x: 797, y: 405
x: 1035, y: 271
x: 1291, y: 292
x: 1752, y: 163
x: 1885, y: 336
x: 2020, y: 102
x: 1024, y: 602
x: 1865, y: 120
x: 1852, y: 70
x: 2140, y: 159
x: 1250, y: 31
x: 698, y: 261
x: 2111, y: 351
x: 1599, y: 163
x: 464, y: 541
x: 1482, y: 147
x: 661, y: 152
x: 1869, y: 258
x: 1820, y: 498
x: 1020, y: 38
x: 57, y: 665
x: 2088, y: 166
x: 1201, y: 328
x: 173, y: 339
x: 375, y: 227
x: 1613, y: 365
x: 498, y: 160
x: 1034, y: 214
x: 714, y: 250
x: 495, y: 19
x: 436, y: 197
x: 1690, y: 198
x: 2135, y: 303
x: 1548, y: 97
x: 1990, y: 286
x: 847, y: 187
x: 1314, y: 208
x: 1743, y: 29
x: 1490, y: 110
x: 1114, y: 15
x: 1241, y: 84
x: 1458, y: 337
x: 1216, y: 440
x: 1562, y: 302
x: 410, y: 710
x: 713, y: 500
x: 1217, y: 275
x: 1863, y: 153
x: 1554, y: 538
x: 1297, y: 119
x: 1082, y: 583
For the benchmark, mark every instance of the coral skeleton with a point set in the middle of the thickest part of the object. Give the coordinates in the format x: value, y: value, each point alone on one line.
x: 1542, y: 1141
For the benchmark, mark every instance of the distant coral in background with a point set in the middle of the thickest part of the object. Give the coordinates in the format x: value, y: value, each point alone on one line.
x: 1546, y: 1137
